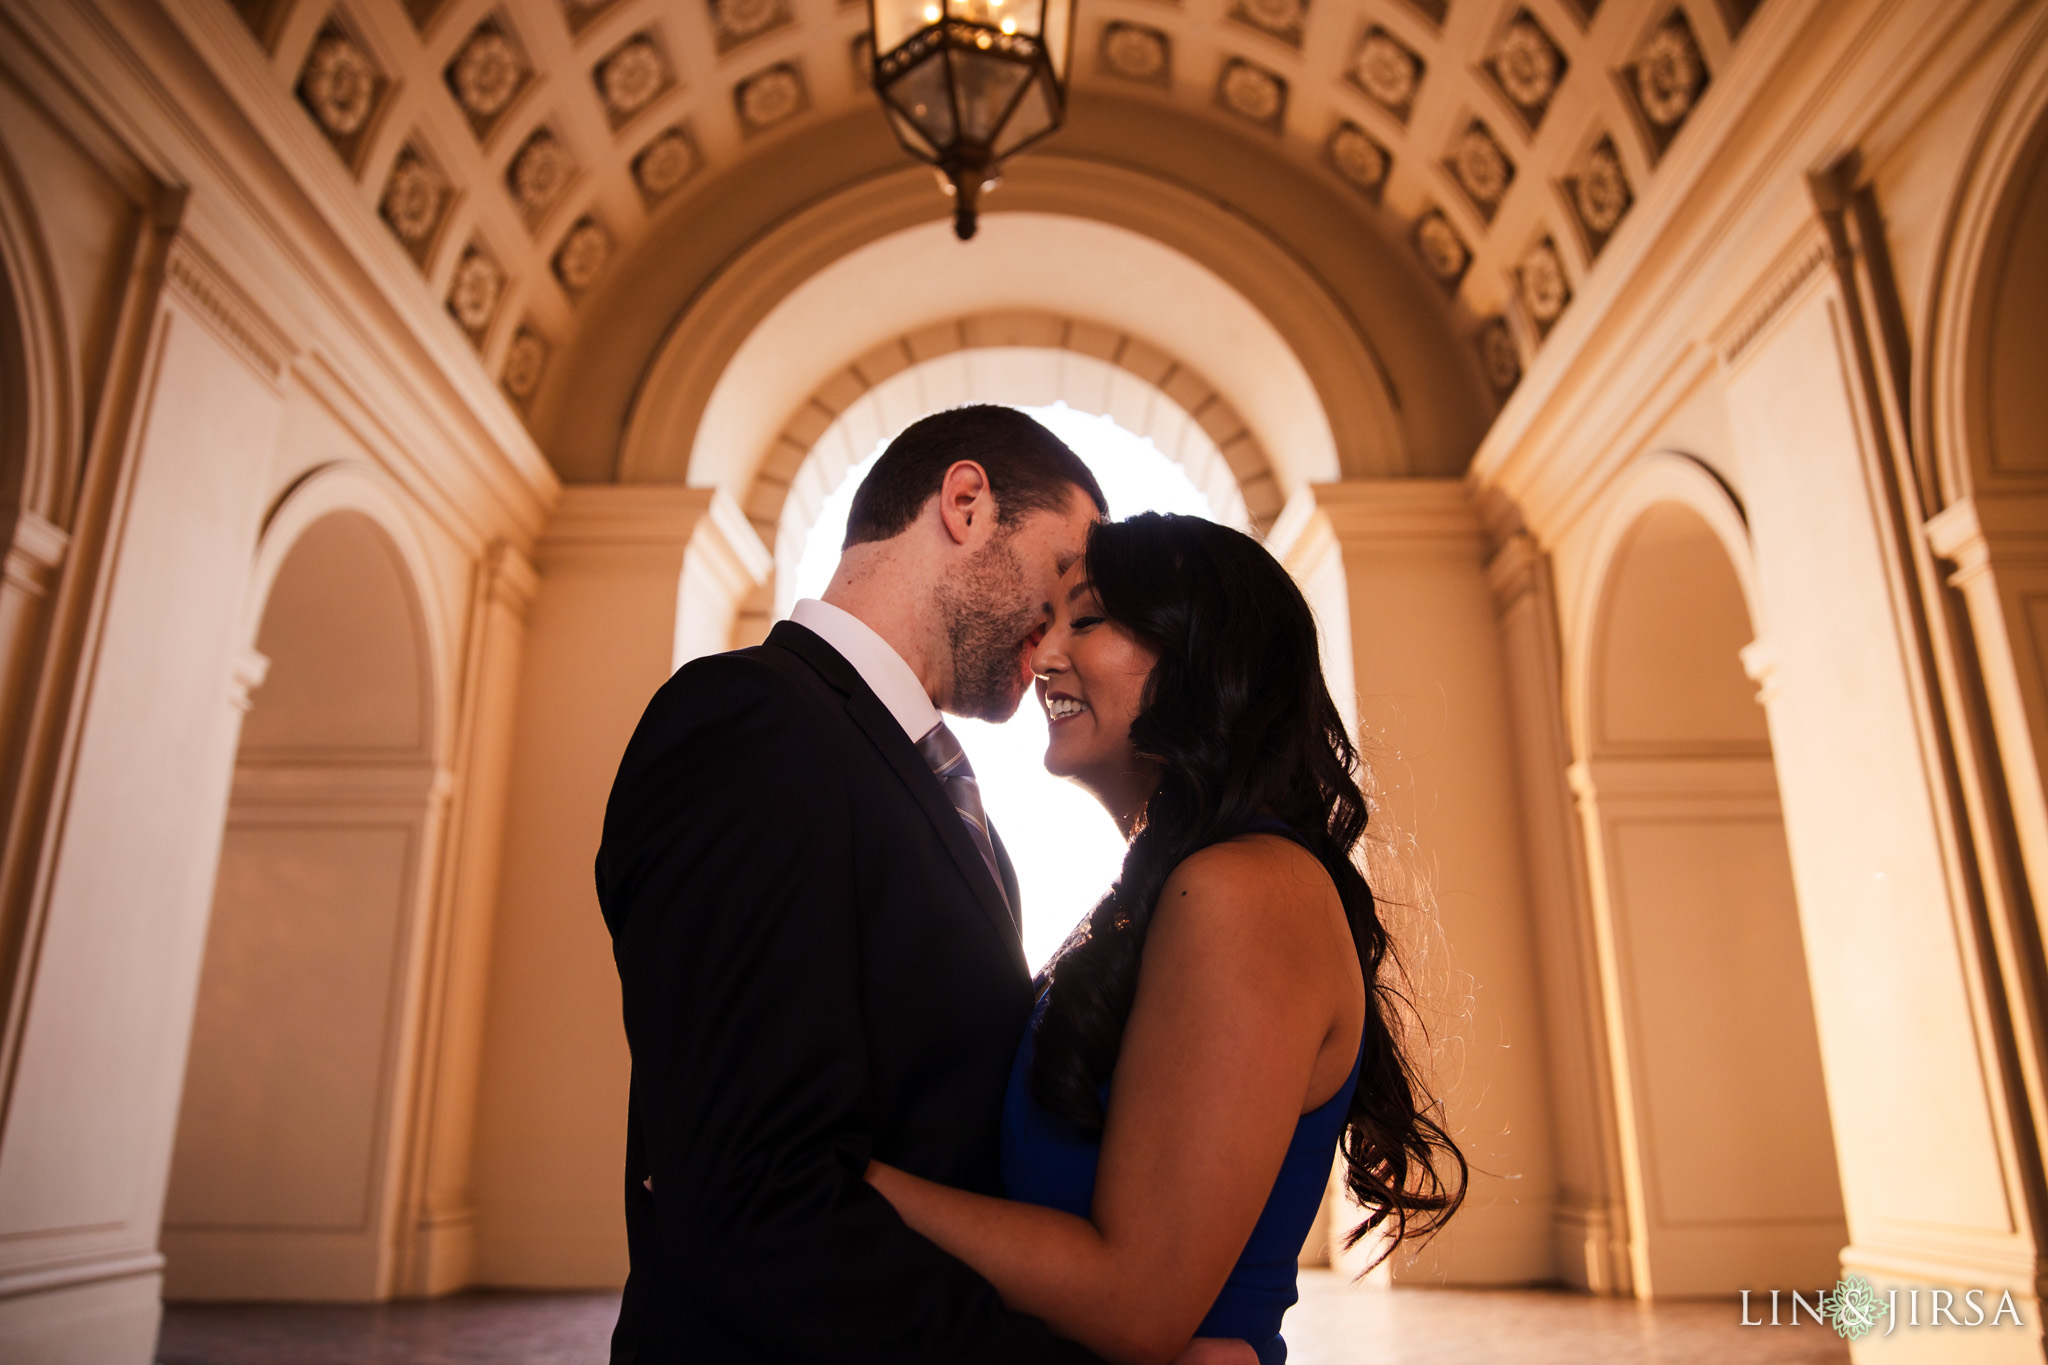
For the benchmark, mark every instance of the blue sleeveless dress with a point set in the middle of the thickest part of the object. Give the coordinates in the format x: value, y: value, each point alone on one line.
x: 1050, y: 1161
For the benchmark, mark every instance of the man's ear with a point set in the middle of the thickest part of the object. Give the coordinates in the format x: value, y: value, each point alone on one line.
x: 966, y: 505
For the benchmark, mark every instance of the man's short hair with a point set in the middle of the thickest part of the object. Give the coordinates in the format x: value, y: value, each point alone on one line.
x: 1029, y: 470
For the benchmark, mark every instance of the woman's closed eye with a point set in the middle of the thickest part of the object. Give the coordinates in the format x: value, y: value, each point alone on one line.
x: 1084, y: 622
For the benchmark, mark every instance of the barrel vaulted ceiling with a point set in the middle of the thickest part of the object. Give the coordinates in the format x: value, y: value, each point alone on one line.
x: 516, y: 149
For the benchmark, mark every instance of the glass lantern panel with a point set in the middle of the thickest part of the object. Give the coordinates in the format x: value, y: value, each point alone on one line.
x: 1059, y: 25
x: 984, y: 87
x: 921, y: 96
x: 1033, y: 116
x: 1011, y: 16
x: 893, y: 21
x: 910, y: 135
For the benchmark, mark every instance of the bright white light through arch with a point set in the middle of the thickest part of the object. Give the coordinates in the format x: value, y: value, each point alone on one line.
x: 1066, y: 848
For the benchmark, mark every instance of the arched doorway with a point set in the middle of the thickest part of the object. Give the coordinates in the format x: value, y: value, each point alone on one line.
x: 1065, y: 847
x: 1728, y: 1150
x: 286, y: 1176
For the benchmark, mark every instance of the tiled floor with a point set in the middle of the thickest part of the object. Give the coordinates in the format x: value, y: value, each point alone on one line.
x: 1335, y: 1324
x: 1338, y: 1324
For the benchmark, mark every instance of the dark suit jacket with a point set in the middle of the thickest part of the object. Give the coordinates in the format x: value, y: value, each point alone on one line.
x: 816, y: 969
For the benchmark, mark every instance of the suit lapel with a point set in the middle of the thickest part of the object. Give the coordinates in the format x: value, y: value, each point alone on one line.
x: 875, y: 720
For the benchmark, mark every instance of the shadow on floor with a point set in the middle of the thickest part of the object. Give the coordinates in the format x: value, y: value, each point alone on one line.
x: 1334, y: 1324
x: 466, y: 1329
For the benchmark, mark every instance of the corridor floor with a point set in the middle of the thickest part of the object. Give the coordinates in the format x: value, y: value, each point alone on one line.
x: 1334, y: 1324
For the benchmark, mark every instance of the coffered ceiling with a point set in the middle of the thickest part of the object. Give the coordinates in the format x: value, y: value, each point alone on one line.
x: 515, y: 149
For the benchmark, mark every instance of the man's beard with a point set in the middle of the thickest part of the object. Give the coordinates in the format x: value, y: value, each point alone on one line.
x: 988, y: 615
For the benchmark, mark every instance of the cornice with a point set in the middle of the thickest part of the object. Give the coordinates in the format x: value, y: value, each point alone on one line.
x: 298, y: 238
x: 192, y: 274
x: 1766, y: 303
x: 1673, y: 292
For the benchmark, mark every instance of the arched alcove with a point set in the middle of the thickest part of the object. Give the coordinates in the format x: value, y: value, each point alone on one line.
x: 1021, y: 359
x: 714, y: 425
x: 1979, y: 397
x: 37, y: 460
x: 1728, y: 1148
x: 1399, y: 386
x: 286, y: 1177
x: 20, y: 604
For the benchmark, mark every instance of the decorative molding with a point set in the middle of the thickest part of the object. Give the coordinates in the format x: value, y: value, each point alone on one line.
x: 1733, y: 340
x: 1666, y: 79
x: 1253, y: 93
x: 624, y: 515
x: 770, y: 98
x: 631, y: 76
x: 1684, y: 777
x: 1975, y: 531
x: 1760, y: 663
x: 97, y: 1268
x: 1403, y: 518
x: 1542, y: 285
x: 1137, y: 52
x: 34, y: 553
x: 197, y: 280
x: 1219, y: 420
x: 664, y: 164
x: 1527, y: 66
x: 1388, y: 70
x: 1481, y: 167
x: 1359, y: 157
x: 510, y: 578
x: 343, y: 779
x: 1599, y: 193
x: 245, y: 675
x: 1515, y: 571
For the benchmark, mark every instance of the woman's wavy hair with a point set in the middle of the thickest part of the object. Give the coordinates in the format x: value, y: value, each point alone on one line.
x: 1238, y: 719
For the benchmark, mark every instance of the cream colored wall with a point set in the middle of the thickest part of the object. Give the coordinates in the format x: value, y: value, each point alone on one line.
x: 1725, y: 1132
x: 1895, y: 988
x: 1433, y: 724
x: 634, y: 579
x: 1754, y: 327
x: 290, y: 1134
x: 122, y: 922
x: 1740, y: 314
x: 180, y: 418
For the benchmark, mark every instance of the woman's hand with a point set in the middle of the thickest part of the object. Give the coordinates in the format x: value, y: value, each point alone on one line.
x: 1237, y: 998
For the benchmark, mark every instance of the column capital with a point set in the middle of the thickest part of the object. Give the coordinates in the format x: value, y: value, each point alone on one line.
x: 510, y: 578
x: 1393, y: 517
x: 2011, y: 528
x: 646, y: 518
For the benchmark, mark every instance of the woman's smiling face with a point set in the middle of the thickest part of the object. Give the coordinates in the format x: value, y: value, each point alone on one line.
x: 1091, y: 682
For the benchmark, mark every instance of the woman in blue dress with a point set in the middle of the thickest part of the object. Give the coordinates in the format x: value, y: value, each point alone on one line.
x: 1221, y: 1021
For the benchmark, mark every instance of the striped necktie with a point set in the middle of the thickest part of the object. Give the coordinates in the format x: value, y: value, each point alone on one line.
x: 948, y: 762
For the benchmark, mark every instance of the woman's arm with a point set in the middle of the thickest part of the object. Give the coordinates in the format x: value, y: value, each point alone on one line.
x: 1243, y: 981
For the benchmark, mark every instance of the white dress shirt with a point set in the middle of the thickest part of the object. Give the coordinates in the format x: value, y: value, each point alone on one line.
x: 875, y: 659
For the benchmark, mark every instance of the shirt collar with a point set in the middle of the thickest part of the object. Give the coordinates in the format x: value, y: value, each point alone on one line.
x: 875, y: 659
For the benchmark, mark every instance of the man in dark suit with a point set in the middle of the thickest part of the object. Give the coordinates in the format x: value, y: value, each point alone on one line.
x: 817, y: 933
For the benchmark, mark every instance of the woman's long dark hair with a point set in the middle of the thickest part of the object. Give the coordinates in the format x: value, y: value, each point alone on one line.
x: 1242, y: 728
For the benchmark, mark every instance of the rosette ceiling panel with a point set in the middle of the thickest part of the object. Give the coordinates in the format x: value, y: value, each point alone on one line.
x: 516, y: 149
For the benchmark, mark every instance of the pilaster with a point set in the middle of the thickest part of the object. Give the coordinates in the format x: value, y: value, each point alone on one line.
x: 1445, y: 855
x: 634, y: 579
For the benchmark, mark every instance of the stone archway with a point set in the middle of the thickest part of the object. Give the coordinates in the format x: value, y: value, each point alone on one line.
x: 288, y: 1176
x: 1727, y: 1144
x: 1022, y: 358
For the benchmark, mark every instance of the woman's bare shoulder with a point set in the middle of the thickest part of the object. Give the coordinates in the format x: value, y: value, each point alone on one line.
x: 1265, y: 866
x: 1248, y: 890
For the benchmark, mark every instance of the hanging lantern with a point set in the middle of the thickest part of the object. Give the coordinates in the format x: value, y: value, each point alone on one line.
x: 968, y: 82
